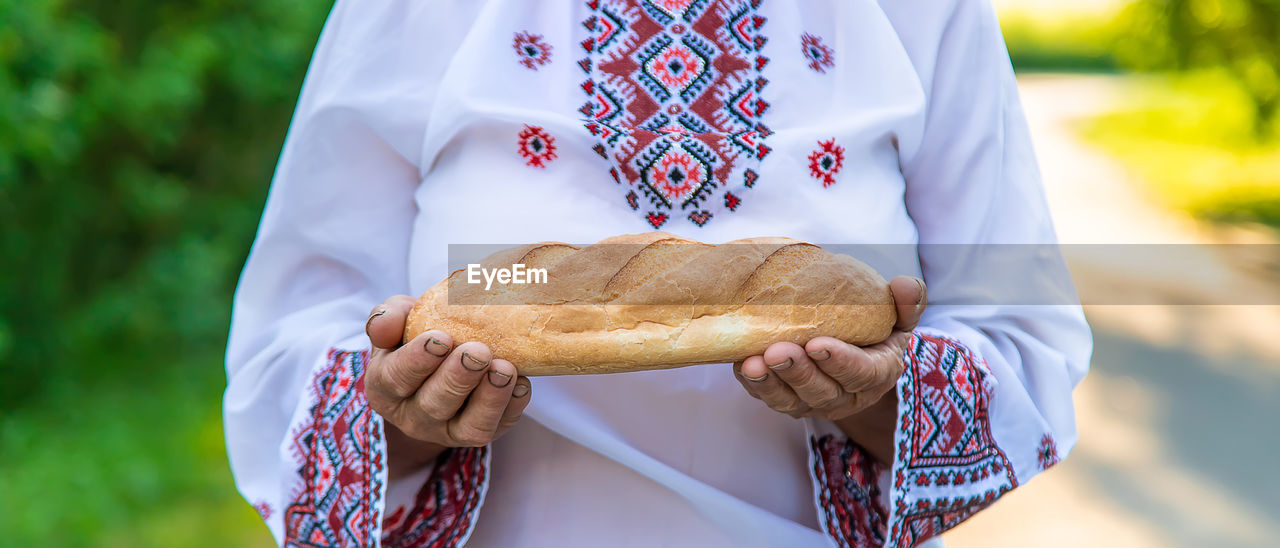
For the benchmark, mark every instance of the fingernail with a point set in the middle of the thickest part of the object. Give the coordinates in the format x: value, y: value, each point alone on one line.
x: 782, y: 366
x: 437, y: 348
x: 920, y: 299
x: 820, y: 355
x: 759, y: 379
x: 499, y: 379
x: 380, y: 311
x: 519, y: 391
x: 472, y: 363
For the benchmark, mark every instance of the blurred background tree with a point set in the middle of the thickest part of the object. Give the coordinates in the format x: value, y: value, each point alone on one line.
x: 1240, y: 37
x: 137, y: 141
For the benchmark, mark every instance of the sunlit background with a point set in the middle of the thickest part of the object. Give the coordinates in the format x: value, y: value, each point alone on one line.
x: 137, y: 140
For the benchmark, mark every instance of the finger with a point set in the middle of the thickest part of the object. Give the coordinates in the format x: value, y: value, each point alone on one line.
x: 521, y: 395
x: 856, y: 369
x: 887, y: 358
x: 443, y: 393
x: 401, y: 372
x: 385, y: 325
x: 749, y: 386
x: 910, y: 298
x: 770, y: 389
x: 477, y: 423
x: 814, y: 387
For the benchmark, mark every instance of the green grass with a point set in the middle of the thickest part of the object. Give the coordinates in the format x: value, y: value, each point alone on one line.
x: 1191, y: 138
x: 138, y: 460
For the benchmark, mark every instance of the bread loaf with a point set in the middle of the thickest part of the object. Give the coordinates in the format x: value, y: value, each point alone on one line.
x: 657, y: 301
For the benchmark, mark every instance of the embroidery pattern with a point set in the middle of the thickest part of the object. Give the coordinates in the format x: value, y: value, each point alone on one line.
x: 263, y: 509
x: 444, y: 509
x: 1048, y: 452
x: 537, y: 148
x: 948, y: 466
x: 339, y: 451
x: 673, y: 99
x: 819, y: 55
x: 849, y: 493
x: 533, y: 52
x: 825, y: 162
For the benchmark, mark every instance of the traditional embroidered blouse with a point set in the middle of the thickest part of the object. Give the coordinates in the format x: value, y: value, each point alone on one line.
x: 423, y: 124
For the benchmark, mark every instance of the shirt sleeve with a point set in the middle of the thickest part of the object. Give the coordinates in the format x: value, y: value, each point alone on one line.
x: 305, y: 448
x: 985, y: 397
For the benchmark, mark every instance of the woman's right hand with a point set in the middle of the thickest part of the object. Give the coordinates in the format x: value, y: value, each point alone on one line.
x: 433, y: 395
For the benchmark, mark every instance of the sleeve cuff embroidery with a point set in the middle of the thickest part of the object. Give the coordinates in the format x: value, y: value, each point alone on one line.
x: 341, y: 474
x: 849, y: 495
x: 445, y: 508
x: 946, y: 466
x: 341, y: 460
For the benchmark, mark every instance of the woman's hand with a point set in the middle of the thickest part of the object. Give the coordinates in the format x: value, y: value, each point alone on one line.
x: 830, y: 379
x: 433, y: 395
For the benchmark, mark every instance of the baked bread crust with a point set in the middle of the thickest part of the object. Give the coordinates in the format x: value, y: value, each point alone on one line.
x: 656, y: 301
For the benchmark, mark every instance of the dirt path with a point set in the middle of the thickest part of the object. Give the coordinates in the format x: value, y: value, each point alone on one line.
x: 1177, y: 437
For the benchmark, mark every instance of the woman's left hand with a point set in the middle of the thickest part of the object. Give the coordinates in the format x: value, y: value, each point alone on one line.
x: 831, y: 379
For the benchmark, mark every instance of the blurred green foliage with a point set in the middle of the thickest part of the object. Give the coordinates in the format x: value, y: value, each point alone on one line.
x: 1240, y: 37
x: 137, y: 141
x: 1067, y: 42
x: 125, y: 463
x: 1190, y: 137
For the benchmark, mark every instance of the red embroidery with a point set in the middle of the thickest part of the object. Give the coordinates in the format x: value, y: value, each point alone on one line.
x: 1048, y: 452
x: 849, y: 492
x: 826, y: 161
x: 537, y: 148
x: 339, y: 451
x: 340, y: 456
x: 263, y: 509
x: 444, y: 509
x: 945, y: 441
x: 673, y: 8
x: 674, y: 98
x: 731, y: 201
x: 819, y: 55
x: 533, y: 52
x: 947, y: 466
x: 395, y: 519
x: 675, y: 67
x: 676, y: 174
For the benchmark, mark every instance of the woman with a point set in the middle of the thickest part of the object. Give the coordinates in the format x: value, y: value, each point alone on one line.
x: 427, y: 124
